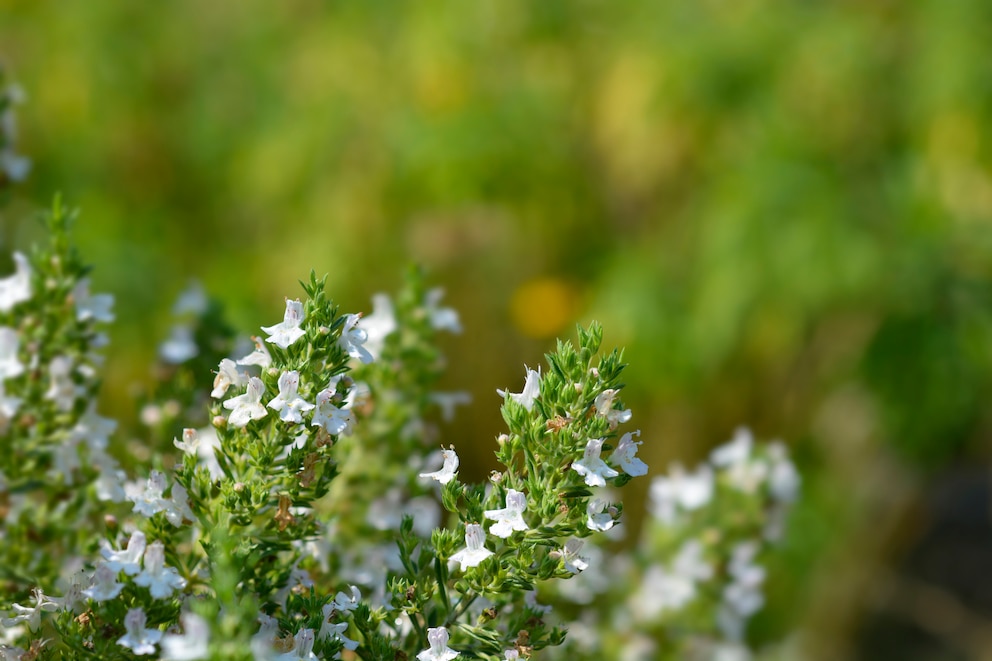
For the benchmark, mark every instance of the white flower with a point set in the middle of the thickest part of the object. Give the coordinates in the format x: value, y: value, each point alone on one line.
x: 569, y: 554
x: 334, y: 631
x: 690, y: 491
x: 16, y: 288
x: 625, y: 457
x: 8, y: 408
x: 509, y: 518
x: 742, y: 597
x: 379, y: 325
x: 248, y: 406
x: 10, y: 365
x: 110, y: 482
x: 303, y: 649
x: 97, y: 308
x: 190, y: 646
x: 260, y: 356
x: 511, y: 655
x: 227, y: 376
x: 160, y: 580
x: 736, y: 451
x: 447, y: 401
x: 592, y: 467
x: 447, y: 472
x: 264, y: 639
x: 177, y: 507
x: 329, y: 417
x: 604, y: 407
x: 126, y: 560
x: 783, y: 479
x: 105, y: 585
x: 31, y: 615
x: 596, y: 517
x: 180, y: 346
x: 437, y: 638
x: 289, y: 331
x: 475, y: 551
x: 191, y: 301
x: 62, y: 390
x: 138, y: 639
x: 353, y: 338
x: 343, y: 602
x: 441, y: 318
x: 93, y: 429
x: 190, y: 443
x: 672, y: 589
x: 288, y: 402
x: 148, y: 499
x: 532, y: 388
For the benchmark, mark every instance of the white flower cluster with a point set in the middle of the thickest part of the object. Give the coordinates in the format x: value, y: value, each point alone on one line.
x: 331, y: 411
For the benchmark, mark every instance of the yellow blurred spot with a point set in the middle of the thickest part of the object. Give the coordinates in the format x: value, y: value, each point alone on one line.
x: 540, y: 308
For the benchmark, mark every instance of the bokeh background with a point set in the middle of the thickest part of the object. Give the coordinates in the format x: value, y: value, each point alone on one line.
x: 783, y: 210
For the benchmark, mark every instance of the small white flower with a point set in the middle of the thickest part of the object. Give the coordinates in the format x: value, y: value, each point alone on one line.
x: 353, y: 338
x: 569, y: 554
x: 127, y: 560
x: 666, y: 589
x: 248, y: 406
x: 160, y: 580
x: 105, y: 585
x: 110, y: 482
x: 509, y: 518
x: 8, y: 408
x: 260, y: 356
x: 180, y: 346
x: 688, y: 491
x: 532, y: 388
x: 334, y: 631
x: 335, y: 421
x: 31, y: 615
x: 437, y: 638
x: 592, y: 467
x: 736, y: 451
x: 147, y: 498
x: 16, y: 288
x: 604, y: 407
x: 227, y: 376
x: 783, y: 478
x: 512, y: 655
x: 97, y: 308
x: 303, y: 648
x: 447, y: 401
x: 10, y: 365
x: 475, y: 551
x: 596, y: 517
x: 192, y: 645
x: 625, y: 457
x: 289, y: 331
x: 177, y: 507
x: 441, y: 318
x: 191, y: 301
x: 93, y: 429
x: 190, y: 443
x: 62, y: 389
x: 288, y: 402
x: 379, y: 325
x: 447, y: 472
x: 344, y: 602
x: 138, y: 639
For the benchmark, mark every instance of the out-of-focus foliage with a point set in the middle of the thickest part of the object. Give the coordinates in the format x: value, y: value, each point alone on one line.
x: 782, y: 210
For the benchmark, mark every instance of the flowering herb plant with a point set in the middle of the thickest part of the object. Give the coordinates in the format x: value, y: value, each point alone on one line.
x: 290, y: 506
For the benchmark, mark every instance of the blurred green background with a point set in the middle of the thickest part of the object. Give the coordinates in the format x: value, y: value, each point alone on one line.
x: 783, y: 210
